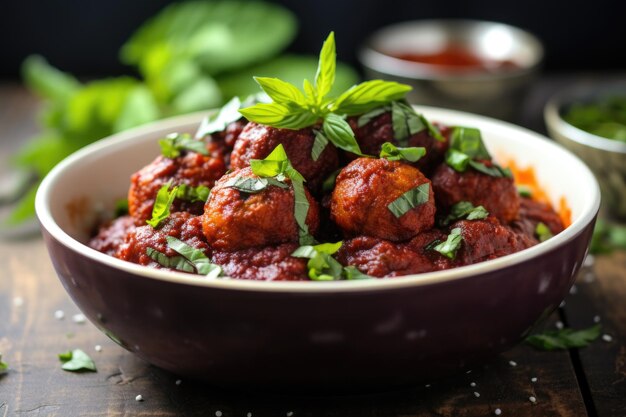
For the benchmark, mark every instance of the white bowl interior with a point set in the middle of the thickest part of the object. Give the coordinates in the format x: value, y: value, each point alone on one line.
x: 86, y: 185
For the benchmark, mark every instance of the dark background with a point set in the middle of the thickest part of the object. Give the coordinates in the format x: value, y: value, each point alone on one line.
x: 84, y: 36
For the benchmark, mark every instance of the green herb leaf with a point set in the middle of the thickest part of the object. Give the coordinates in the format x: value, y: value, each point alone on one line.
x: 339, y: 132
x: 318, y: 145
x: 405, y: 121
x: 193, y: 194
x: 253, y: 185
x: 457, y: 160
x: 395, y: 153
x: 524, y: 191
x: 451, y: 244
x: 274, y: 164
x: 372, y: 114
x: 162, y: 204
x: 469, y: 141
x: 369, y: 95
x: 4, y: 367
x: 178, y: 263
x: 542, y: 231
x: 48, y: 81
x: 564, y: 338
x: 464, y: 210
x: 301, y: 209
x: 217, y: 122
x: 77, y: 360
x: 173, y: 144
x: 607, y: 237
x: 121, y: 208
x: 196, y: 257
x: 280, y: 115
x: 409, y: 200
x: 494, y: 171
x: 325, y: 76
x: 322, y: 266
x: 281, y: 91
x: 352, y: 273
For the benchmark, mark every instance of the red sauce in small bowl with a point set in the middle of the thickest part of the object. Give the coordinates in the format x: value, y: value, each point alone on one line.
x: 458, y: 58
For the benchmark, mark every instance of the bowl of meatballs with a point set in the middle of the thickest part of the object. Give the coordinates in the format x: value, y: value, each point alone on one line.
x: 296, y: 240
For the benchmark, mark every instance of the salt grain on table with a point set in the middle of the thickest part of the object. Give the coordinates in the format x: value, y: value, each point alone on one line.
x: 607, y: 337
x: 18, y: 301
x: 79, y: 318
x: 497, y: 411
x: 59, y: 315
x: 139, y: 398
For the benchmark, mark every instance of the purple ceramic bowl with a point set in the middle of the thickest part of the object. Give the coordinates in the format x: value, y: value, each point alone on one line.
x: 312, y: 334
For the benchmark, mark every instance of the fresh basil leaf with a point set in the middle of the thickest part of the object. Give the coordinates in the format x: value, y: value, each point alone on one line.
x: 409, y: 200
x: 253, y: 185
x: 457, y: 160
x: 524, y: 191
x: 281, y: 91
x: 405, y: 121
x: 173, y: 144
x: 310, y: 92
x: 464, y: 210
x: 196, y: 257
x: 469, y: 141
x: 162, y: 204
x: 217, y: 122
x: 193, y: 194
x: 77, y: 360
x: 4, y: 367
x: 121, y: 208
x: 369, y: 95
x: 300, y: 210
x: 607, y: 237
x: 178, y: 263
x: 325, y: 76
x: 274, y: 164
x: 352, y: 273
x: 542, y: 231
x: 564, y: 338
x: 394, y: 153
x: 280, y: 115
x: 329, y: 183
x: 495, y: 170
x: 322, y: 266
x: 451, y: 244
x: 371, y: 115
x: 338, y: 131
x: 432, y: 129
x: 318, y: 145
x: 48, y: 81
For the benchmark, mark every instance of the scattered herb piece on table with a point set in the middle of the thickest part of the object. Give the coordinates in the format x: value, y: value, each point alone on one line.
x: 565, y: 338
x: 76, y: 360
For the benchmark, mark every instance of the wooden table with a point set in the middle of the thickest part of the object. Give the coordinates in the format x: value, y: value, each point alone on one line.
x: 585, y: 382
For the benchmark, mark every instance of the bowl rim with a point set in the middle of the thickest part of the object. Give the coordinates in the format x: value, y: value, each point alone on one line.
x: 48, y: 224
x: 552, y: 115
x: 381, y: 62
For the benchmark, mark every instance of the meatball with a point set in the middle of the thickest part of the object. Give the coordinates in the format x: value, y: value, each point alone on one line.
x: 235, y: 220
x: 189, y: 168
x: 270, y: 263
x: 379, y: 130
x: 531, y: 213
x: 381, y: 258
x: 258, y: 141
x: 497, y: 194
x: 112, y: 234
x: 221, y: 144
x: 181, y: 225
x: 366, y: 187
x: 487, y: 239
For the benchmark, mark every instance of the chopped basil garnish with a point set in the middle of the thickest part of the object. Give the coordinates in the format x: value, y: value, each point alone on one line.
x: 409, y: 200
x: 253, y: 185
x: 371, y: 115
x: 4, y: 367
x: 318, y: 145
x: 162, y: 204
x: 466, y: 148
x: 542, y: 231
x: 190, y: 260
x: 524, y: 191
x: 322, y: 266
x: 329, y: 183
x: 451, y: 245
x: 77, y: 360
x: 293, y: 109
x: 276, y: 165
x: 564, y: 338
x: 395, y: 153
x: 464, y: 210
x: 173, y: 144
x: 217, y: 122
x: 351, y: 272
x: 121, y: 208
x: 193, y: 194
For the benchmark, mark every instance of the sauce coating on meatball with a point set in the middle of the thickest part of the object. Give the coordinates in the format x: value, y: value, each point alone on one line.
x: 235, y: 220
x: 363, y: 192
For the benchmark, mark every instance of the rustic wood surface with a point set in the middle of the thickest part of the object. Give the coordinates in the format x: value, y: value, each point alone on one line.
x: 590, y: 381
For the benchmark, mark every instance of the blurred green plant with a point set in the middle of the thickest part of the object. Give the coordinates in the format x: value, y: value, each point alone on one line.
x: 191, y: 56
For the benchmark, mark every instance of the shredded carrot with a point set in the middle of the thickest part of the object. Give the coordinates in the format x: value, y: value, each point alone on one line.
x: 527, y: 177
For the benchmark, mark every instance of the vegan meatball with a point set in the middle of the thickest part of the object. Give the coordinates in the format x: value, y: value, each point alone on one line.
x: 497, y: 194
x: 221, y: 144
x: 181, y: 225
x: 235, y: 220
x: 258, y: 141
x: 364, y: 191
x: 190, y: 168
x: 270, y: 263
x: 112, y: 234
